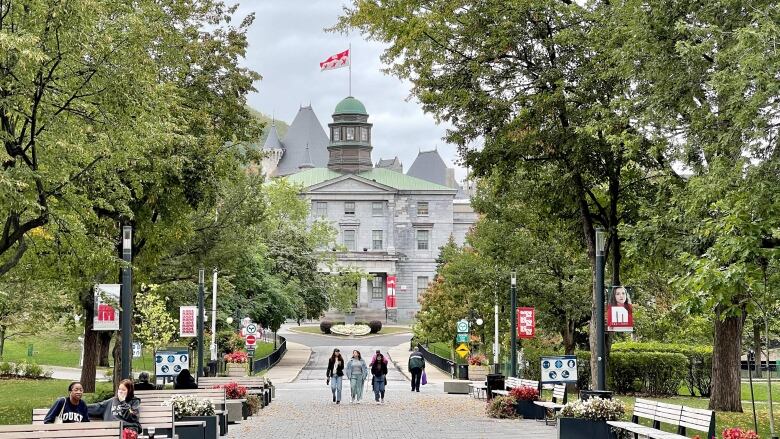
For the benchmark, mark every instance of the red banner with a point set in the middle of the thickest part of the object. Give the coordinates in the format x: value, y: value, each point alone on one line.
x: 390, y: 298
x: 620, y: 312
x: 526, y: 322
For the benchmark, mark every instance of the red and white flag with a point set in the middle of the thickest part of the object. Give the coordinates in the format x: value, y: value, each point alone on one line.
x: 336, y: 61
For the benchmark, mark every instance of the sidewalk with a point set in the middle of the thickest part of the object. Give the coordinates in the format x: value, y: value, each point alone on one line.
x: 73, y: 373
x: 290, y: 366
x: 399, y: 355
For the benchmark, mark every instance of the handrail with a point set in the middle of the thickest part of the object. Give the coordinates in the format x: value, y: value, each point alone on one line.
x: 270, y: 361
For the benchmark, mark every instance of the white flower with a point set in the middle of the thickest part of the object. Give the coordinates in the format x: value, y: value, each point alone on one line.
x: 350, y: 329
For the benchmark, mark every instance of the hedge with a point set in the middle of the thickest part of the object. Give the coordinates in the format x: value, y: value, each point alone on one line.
x: 698, y: 376
x: 654, y: 373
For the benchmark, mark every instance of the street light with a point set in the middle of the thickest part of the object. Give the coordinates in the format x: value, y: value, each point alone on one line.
x: 201, y: 313
x: 229, y: 320
x: 513, y: 328
x: 126, y: 317
x: 601, y: 376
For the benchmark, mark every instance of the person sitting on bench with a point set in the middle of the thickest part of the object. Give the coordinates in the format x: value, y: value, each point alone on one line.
x: 122, y: 407
x: 69, y: 409
x: 143, y: 382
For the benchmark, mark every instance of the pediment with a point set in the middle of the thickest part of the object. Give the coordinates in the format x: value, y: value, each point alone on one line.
x: 350, y: 184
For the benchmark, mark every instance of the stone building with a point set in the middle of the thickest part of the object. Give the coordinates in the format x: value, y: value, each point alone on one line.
x: 389, y: 223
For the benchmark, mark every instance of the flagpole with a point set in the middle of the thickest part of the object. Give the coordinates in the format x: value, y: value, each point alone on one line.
x: 350, y: 69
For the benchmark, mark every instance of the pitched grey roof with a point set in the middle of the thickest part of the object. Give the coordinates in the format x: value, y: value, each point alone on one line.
x: 429, y: 166
x: 272, y: 141
x: 307, y: 163
x: 304, y: 130
x: 393, y: 164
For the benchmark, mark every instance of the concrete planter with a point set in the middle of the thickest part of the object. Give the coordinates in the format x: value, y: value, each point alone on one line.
x: 576, y: 428
x: 349, y: 318
x: 212, y: 431
x: 478, y: 373
x: 236, y: 369
x: 234, y: 409
x: 529, y: 410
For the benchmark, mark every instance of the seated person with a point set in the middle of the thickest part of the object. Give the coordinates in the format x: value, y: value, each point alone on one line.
x: 69, y: 409
x: 184, y: 380
x: 122, y: 407
x: 143, y: 382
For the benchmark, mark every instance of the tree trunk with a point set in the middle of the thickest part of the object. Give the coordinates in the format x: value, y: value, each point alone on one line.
x: 757, y: 347
x: 567, y: 333
x: 726, y: 358
x: 117, y: 353
x: 89, y: 368
x: 2, y: 340
x: 104, y: 340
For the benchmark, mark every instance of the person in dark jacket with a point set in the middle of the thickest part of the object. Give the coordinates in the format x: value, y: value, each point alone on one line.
x: 122, y: 407
x: 69, y: 409
x: 143, y: 382
x: 416, y: 368
x: 335, y: 375
x: 379, y: 377
x: 184, y: 380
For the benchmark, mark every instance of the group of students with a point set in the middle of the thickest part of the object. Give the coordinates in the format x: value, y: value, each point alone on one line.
x: 123, y: 406
x: 356, y: 372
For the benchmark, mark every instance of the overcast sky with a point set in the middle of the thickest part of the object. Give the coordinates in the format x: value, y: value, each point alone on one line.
x: 286, y: 44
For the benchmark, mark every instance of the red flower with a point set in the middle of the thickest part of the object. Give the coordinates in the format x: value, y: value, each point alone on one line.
x: 738, y: 433
x: 525, y: 393
x: 236, y: 357
x: 232, y: 390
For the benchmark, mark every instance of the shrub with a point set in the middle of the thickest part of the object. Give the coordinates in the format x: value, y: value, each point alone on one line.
x: 699, y: 361
x: 525, y: 393
x: 502, y: 407
x: 232, y: 390
x: 655, y: 373
x: 7, y: 369
x: 325, y: 326
x: 375, y: 326
x: 229, y: 341
x: 253, y: 402
x: 595, y: 409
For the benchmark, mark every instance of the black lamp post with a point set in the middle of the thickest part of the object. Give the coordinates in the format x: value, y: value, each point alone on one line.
x: 513, y: 328
x: 201, y: 312
x: 126, y: 370
x: 601, y: 375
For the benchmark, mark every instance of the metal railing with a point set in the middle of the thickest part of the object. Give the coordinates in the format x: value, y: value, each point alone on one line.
x: 270, y: 361
x: 447, y: 366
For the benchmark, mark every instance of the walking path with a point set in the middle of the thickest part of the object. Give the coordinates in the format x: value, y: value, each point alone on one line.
x: 303, y: 407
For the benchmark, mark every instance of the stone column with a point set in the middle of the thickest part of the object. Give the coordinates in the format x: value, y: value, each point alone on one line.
x: 390, y: 226
x: 363, y: 294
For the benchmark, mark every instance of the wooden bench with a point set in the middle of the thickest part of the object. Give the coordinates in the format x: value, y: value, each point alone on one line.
x: 658, y: 413
x: 216, y: 396
x: 557, y: 402
x: 91, y: 430
x: 259, y: 386
x: 477, y: 389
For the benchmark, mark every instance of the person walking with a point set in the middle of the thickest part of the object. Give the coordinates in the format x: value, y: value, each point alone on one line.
x: 357, y: 373
x: 69, y: 409
x: 416, y: 368
x: 379, y: 377
x: 335, y: 374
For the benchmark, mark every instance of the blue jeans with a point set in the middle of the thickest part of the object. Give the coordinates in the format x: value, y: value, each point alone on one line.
x: 356, y: 385
x: 335, y: 386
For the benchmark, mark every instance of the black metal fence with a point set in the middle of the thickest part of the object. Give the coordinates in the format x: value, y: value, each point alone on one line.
x: 448, y: 366
x: 270, y: 361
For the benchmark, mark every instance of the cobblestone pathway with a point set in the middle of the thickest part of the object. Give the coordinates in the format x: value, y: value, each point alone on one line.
x: 303, y: 409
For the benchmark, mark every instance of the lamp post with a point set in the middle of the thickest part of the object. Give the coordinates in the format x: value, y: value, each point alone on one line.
x: 127, y: 303
x: 214, y: 318
x: 513, y: 328
x: 496, y: 344
x: 201, y: 312
x: 601, y: 376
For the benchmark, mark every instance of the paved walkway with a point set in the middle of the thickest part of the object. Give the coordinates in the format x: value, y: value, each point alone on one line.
x: 289, y: 367
x: 303, y: 407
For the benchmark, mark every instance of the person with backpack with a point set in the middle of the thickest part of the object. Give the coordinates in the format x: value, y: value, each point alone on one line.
x: 379, y: 380
x: 334, y: 374
x: 70, y: 408
x: 416, y: 368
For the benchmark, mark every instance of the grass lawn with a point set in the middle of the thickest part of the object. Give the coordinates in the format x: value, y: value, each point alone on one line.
x: 386, y: 330
x: 19, y: 397
x: 58, y: 348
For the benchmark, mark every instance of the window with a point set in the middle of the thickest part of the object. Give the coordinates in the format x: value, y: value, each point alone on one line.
x: 336, y: 134
x: 349, y: 240
x: 422, y: 239
x: 377, y: 208
x: 349, y: 208
x: 422, y: 208
x: 422, y: 285
x: 364, y: 134
x: 351, y: 133
x: 320, y: 209
x: 376, y: 239
x: 378, y: 288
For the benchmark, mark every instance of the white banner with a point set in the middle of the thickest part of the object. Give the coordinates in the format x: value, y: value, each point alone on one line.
x: 106, y: 307
x: 188, y: 321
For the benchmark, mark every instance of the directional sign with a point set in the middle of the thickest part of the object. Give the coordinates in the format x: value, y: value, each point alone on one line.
x: 462, y: 338
x: 463, y: 326
x: 251, y: 328
x: 251, y: 340
x: 250, y: 352
x: 462, y: 350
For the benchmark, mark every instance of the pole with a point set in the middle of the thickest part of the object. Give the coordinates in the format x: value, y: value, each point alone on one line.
x: 513, y: 328
x: 772, y: 434
x: 350, y: 68
x: 751, y: 358
x: 214, y: 317
x: 201, y: 312
x: 496, y: 356
x: 601, y: 377
x: 126, y: 370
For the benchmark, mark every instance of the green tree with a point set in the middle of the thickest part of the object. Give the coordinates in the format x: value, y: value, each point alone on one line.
x: 155, y: 327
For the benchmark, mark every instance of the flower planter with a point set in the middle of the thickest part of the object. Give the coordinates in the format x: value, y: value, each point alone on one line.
x: 349, y: 318
x: 236, y: 369
x: 212, y: 431
x: 478, y: 373
x: 234, y: 409
x: 576, y: 428
x: 529, y: 410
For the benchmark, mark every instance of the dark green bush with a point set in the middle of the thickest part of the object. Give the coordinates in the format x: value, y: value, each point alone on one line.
x: 698, y: 376
x: 229, y: 341
x: 655, y: 373
x: 375, y: 326
x: 325, y: 326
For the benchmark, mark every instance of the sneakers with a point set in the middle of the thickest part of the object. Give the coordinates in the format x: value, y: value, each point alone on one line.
x: 334, y: 398
x: 338, y: 402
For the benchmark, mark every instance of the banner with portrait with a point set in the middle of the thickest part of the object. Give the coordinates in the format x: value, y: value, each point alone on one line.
x: 620, y: 313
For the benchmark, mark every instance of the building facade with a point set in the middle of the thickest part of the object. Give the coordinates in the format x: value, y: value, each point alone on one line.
x: 388, y: 223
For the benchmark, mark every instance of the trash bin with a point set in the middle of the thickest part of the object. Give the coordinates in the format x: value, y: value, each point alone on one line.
x: 587, y: 394
x: 495, y: 381
x: 463, y: 371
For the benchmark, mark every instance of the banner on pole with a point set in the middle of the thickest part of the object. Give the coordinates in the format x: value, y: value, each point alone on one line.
x: 188, y: 321
x: 390, y: 300
x: 620, y: 313
x: 526, y: 322
x: 106, y: 307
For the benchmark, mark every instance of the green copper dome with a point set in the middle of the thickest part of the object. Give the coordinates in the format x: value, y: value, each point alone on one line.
x: 350, y: 105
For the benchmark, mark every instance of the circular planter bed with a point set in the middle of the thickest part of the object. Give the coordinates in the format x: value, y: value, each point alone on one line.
x: 356, y: 330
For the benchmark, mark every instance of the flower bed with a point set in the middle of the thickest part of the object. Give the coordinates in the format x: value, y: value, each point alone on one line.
x: 184, y: 405
x: 595, y: 409
x: 237, y: 357
x: 525, y: 393
x: 350, y: 329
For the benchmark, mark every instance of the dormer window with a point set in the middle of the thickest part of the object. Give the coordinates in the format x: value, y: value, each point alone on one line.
x: 336, y: 134
x: 351, y: 133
